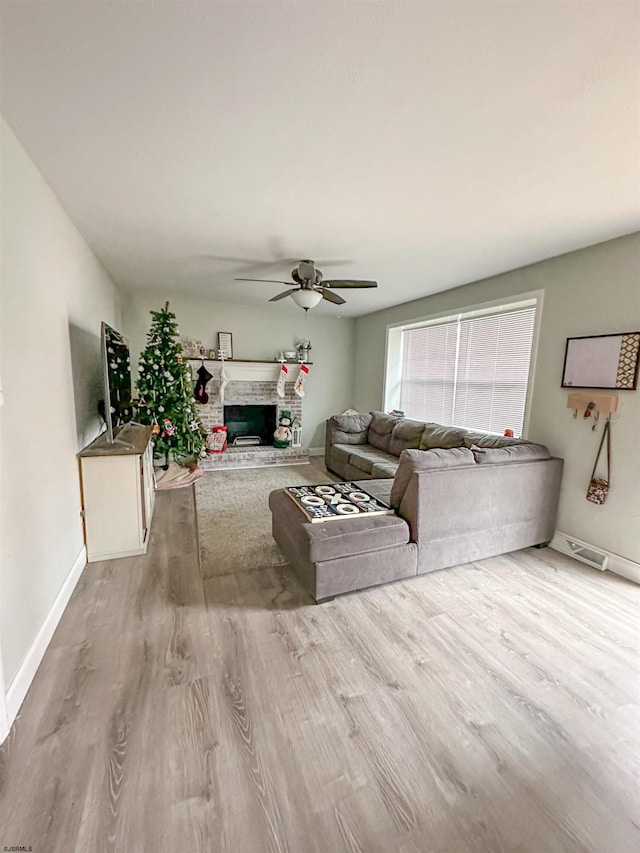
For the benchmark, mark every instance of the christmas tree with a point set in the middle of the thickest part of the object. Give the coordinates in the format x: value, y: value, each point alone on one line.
x: 165, y: 390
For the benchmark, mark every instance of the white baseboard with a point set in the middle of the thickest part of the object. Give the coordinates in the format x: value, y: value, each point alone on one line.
x: 4, y: 719
x: 627, y: 568
x: 21, y: 682
x: 615, y: 563
x: 316, y: 451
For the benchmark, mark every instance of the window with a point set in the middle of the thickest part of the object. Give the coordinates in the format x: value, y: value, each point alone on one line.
x: 471, y: 370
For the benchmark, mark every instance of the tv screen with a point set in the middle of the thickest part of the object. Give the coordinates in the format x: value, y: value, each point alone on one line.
x: 118, y: 408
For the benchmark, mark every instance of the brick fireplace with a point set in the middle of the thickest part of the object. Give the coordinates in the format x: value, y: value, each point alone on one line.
x: 251, y: 385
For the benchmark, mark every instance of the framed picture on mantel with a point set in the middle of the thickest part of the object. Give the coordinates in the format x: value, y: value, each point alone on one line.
x: 602, y: 361
x: 225, y: 345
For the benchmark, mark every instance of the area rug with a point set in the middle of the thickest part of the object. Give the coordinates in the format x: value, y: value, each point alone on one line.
x: 234, y: 520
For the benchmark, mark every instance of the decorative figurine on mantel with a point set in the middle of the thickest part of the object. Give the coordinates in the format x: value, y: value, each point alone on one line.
x: 192, y: 348
x: 303, y: 349
x: 282, y: 435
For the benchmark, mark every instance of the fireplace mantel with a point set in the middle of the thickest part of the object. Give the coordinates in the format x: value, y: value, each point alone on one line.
x: 247, y: 371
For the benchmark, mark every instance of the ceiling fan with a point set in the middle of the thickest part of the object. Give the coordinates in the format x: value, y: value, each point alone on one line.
x: 310, y: 289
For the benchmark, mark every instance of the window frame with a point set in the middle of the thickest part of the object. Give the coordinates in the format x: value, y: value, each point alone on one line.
x: 394, y: 337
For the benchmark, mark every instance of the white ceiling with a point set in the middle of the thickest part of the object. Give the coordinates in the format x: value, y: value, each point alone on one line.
x: 432, y: 143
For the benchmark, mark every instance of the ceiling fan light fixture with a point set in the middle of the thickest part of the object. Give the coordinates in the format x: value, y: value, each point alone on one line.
x: 310, y: 286
x: 306, y: 298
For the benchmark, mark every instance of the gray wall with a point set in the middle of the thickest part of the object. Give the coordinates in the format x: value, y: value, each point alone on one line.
x: 589, y: 292
x: 260, y: 332
x: 54, y: 295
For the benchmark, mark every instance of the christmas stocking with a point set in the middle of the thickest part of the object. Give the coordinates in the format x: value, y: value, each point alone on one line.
x: 200, y: 391
x: 284, y: 370
x: 224, y: 381
x: 299, y: 386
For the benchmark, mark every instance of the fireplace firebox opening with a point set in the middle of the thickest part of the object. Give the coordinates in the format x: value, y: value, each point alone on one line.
x: 250, y: 423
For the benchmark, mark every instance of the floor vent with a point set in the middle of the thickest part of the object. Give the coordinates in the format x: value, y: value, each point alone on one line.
x: 581, y: 551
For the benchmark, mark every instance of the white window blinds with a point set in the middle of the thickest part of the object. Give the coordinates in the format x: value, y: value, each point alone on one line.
x: 471, y: 372
x: 428, y: 372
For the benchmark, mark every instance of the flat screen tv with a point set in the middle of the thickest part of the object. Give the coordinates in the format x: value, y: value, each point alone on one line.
x: 116, y: 360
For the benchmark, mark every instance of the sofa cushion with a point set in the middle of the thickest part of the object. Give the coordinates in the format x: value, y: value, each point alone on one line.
x: 348, y: 537
x: 486, y: 439
x: 352, y: 423
x: 384, y: 470
x: 340, y: 453
x: 412, y: 461
x: 406, y: 435
x: 380, y: 489
x: 380, y: 430
x: 364, y: 458
x: 438, y: 436
x: 362, y: 462
x: 512, y: 453
x: 349, y: 429
x: 349, y: 437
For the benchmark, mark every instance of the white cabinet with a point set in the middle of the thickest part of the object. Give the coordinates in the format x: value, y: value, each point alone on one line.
x: 118, y: 494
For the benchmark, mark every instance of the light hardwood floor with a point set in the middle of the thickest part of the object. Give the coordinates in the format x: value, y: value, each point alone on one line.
x: 492, y: 707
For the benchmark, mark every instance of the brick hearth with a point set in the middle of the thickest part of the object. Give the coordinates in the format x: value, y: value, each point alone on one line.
x: 255, y: 457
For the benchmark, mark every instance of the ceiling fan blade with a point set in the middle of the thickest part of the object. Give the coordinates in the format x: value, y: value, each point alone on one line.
x: 245, y: 265
x: 332, y: 297
x: 281, y: 295
x: 334, y: 262
x: 268, y: 281
x: 234, y: 260
x: 280, y: 261
x: 339, y: 282
x: 250, y: 264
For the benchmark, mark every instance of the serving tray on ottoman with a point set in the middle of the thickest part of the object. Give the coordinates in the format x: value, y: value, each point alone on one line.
x: 326, y: 502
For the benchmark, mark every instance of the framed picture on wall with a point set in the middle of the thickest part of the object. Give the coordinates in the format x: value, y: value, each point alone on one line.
x: 225, y: 344
x: 602, y: 361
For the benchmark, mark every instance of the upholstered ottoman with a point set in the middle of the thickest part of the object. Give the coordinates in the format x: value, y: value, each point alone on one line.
x: 334, y: 557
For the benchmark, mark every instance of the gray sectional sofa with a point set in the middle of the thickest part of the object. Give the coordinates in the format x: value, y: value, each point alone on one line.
x: 459, y: 496
x: 368, y: 446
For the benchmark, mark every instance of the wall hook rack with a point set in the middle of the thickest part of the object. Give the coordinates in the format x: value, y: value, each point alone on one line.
x: 592, y: 405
